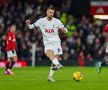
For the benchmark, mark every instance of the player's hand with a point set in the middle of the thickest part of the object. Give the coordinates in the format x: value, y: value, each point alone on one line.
x: 64, y: 30
x: 27, y: 21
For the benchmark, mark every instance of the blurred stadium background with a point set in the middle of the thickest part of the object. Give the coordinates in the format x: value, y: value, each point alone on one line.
x: 84, y: 43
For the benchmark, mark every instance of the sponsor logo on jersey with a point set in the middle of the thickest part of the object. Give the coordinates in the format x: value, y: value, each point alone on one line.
x: 49, y: 30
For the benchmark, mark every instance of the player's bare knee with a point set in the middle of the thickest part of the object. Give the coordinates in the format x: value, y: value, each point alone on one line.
x: 9, y: 60
x: 56, y: 56
x: 51, y: 57
x: 15, y: 58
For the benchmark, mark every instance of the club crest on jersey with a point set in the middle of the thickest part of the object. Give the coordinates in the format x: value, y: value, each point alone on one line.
x: 49, y: 30
x: 58, y: 50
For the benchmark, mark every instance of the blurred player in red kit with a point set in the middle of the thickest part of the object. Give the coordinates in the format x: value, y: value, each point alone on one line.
x: 105, y: 59
x: 11, y: 49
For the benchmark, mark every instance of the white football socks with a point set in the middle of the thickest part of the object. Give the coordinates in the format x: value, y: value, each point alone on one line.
x: 51, y: 72
x: 55, y: 61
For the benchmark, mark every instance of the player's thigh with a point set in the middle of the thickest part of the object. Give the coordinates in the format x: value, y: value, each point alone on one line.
x: 49, y: 51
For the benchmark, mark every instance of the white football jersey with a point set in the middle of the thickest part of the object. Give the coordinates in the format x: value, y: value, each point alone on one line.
x: 49, y: 29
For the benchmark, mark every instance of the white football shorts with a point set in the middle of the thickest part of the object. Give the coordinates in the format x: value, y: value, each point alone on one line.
x: 54, y: 46
x: 11, y: 53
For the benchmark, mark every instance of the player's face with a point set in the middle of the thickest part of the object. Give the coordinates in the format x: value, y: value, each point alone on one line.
x: 50, y: 13
x: 13, y: 28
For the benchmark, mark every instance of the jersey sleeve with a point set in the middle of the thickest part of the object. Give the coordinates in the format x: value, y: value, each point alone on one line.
x: 60, y: 25
x: 8, y: 40
x: 9, y: 37
x: 37, y: 23
x: 34, y: 25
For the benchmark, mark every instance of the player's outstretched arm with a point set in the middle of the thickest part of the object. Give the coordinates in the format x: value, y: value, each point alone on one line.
x: 30, y: 26
x: 61, y: 26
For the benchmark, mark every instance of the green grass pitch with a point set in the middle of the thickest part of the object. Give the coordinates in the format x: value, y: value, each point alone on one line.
x: 36, y: 79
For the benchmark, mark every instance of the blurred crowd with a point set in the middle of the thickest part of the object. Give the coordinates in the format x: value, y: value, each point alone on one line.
x: 84, y: 40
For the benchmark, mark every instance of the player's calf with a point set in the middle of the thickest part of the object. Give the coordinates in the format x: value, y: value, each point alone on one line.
x: 8, y: 63
x: 99, y: 67
x: 101, y: 64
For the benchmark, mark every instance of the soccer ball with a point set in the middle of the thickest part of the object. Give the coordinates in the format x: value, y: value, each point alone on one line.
x: 77, y: 76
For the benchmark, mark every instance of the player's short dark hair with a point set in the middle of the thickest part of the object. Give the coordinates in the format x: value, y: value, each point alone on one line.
x: 13, y: 24
x: 51, y: 7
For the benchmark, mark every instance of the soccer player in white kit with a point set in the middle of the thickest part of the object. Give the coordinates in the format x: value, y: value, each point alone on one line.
x: 49, y: 26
